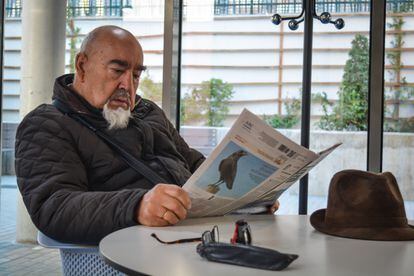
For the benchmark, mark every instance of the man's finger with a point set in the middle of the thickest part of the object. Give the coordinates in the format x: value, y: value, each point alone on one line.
x: 157, y: 222
x: 153, y: 209
x: 175, y: 206
x: 179, y: 194
x: 170, y: 217
x: 153, y: 221
x: 275, y: 206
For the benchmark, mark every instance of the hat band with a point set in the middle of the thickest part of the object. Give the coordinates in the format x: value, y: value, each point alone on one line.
x: 354, y: 221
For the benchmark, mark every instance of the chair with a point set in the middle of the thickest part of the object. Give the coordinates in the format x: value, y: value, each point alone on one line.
x: 78, y: 259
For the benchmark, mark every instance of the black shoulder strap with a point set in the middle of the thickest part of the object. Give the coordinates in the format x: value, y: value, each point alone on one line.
x: 133, y: 162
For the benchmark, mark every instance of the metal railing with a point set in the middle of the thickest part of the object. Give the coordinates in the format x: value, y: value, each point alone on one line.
x: 78, y: 8
x: 246, y: 7
x: 13, y: 8
x: 97, y: 8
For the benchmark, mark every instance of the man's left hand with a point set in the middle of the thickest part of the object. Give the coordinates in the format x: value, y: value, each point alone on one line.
x: 274, y: 207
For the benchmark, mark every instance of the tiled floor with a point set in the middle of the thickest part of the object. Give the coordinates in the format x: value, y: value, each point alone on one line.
x: 31, y: 259
x: 21, y: 259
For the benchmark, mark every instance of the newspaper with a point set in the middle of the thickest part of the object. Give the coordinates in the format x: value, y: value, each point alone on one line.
x: 250, y: 168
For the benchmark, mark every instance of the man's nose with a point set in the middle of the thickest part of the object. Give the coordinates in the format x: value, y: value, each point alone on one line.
x: 126, y: 81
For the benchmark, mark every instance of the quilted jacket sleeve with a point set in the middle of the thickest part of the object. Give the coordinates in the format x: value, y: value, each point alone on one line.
x: 193, y: 157
x: 53, y: 182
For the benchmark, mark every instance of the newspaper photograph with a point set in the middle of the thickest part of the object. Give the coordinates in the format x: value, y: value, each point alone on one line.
x: 250, y: 168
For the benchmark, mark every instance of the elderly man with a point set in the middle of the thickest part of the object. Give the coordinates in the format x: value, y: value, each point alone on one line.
x: 74, y: 185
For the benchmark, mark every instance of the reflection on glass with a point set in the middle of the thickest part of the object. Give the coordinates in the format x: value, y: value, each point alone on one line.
x: 399, y: 99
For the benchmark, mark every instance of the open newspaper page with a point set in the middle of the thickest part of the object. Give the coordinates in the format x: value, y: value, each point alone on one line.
x: 270, y: 197
x: 253, y: 164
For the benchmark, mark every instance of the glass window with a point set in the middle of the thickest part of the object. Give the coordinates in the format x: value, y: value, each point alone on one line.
x: 233, y: 58
x: 398, y: 144
x: 145, y: 19
x: 10, y: 116
x: 233, y: 47
x: 339, y: 111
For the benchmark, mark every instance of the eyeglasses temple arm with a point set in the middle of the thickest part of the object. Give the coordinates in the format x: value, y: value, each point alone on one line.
x: 176, y: 241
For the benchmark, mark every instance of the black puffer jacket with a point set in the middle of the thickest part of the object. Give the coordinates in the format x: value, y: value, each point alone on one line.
x: 74, y: 186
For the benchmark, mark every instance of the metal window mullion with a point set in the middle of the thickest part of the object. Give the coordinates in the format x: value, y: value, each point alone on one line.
x: 172, y: 60
x: 376, y: 86
x: 178, y: 62
x: 2, y: 17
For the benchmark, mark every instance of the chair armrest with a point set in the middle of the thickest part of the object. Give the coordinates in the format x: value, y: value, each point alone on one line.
x: 47, y: 242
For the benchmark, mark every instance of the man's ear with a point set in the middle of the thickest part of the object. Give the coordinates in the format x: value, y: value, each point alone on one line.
x: 81, y: 59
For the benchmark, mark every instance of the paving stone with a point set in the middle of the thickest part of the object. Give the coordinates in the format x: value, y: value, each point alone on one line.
x: 22, y: 259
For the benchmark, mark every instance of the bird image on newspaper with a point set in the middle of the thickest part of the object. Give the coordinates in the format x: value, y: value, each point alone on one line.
x: 228, y: 171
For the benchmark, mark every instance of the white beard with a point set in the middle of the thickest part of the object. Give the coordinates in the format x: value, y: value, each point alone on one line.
x: 118, y: 118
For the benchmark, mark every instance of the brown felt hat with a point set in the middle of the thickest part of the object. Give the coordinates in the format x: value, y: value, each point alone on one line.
x: 364, y: 205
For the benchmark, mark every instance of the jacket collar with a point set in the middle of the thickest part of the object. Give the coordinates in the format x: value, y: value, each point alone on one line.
x: 63, y: 91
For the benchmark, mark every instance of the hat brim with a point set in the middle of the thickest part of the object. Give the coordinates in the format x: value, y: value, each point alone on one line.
x: 317, y: 220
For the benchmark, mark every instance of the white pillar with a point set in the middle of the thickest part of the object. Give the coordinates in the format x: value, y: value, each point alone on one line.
x: 42, y: 60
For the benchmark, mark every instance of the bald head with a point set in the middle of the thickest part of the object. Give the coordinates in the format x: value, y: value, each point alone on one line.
x: 110, y: 59
x: 103, y: 35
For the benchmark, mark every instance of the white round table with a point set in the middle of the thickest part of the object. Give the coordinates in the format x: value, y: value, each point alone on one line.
x: 133, y: 251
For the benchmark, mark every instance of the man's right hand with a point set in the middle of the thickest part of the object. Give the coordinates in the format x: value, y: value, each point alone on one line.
x: 165, y: 204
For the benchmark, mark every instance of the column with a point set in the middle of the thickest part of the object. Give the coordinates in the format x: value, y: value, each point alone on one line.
x: 42, y: 60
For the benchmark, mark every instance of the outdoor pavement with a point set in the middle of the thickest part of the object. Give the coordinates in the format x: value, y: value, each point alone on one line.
x: 32, y: 259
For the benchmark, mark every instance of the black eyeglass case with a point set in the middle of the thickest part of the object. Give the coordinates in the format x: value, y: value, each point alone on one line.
x: 245, y: 255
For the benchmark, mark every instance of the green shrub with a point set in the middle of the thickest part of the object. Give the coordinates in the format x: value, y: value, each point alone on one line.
x: 207, y: 104
x: 290, y: 120
x: 350, y: 112
x: 149, y: 89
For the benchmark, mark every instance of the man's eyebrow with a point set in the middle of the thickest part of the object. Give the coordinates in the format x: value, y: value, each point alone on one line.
x: 124, y: 63
x: 119, y: 62
x: 141, y: 67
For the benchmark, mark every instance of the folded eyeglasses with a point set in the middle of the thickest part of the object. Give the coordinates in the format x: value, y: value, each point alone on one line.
x: 242, y: 234
x: 206, y: 237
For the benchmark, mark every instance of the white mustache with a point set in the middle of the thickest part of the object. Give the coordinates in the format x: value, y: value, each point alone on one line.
x: 121, y: 93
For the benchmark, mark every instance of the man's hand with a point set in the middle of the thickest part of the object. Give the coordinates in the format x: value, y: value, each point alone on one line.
x: 274, y: 207
x: 165, y: 204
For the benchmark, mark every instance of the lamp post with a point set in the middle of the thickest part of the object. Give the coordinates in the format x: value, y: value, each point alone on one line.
x: 307, y: 15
